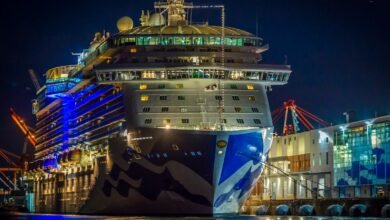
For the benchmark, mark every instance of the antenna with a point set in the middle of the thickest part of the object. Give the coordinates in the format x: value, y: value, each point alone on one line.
x: 257, y: 22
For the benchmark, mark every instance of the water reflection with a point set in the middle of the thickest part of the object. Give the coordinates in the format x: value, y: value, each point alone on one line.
x: 18, y: 216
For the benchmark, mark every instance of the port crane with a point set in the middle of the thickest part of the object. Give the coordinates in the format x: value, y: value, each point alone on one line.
x: 27, y: 130
x: 298, y: 115
x: 21, y: 165
x: 13, y: 167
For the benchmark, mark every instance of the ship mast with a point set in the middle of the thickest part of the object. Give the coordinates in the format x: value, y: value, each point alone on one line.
x: 176, y: 11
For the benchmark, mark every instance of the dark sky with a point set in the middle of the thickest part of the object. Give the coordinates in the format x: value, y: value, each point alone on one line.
x: 339, y: 50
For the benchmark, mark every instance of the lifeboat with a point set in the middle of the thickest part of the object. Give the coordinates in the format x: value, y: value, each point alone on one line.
x: 74, y: 156
x: 50, y: 164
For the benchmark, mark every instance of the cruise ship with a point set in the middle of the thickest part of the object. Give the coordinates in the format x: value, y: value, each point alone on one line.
x: 170, y: 117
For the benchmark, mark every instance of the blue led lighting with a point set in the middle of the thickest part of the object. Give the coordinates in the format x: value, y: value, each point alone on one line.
x: 93, y: 96
x: 97, y: 105
x: 98, y: 114
x: 67, y: 111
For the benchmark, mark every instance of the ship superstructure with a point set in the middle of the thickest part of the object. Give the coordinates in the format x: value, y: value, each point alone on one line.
x: 169, y: 117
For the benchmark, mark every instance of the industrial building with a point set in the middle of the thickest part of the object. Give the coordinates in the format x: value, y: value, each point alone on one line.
x: 344, y: 161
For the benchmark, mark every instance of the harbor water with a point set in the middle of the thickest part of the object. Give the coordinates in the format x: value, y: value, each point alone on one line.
x: 23, y: 216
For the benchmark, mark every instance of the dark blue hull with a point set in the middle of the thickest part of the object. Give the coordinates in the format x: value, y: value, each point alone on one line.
x: 177, y: 172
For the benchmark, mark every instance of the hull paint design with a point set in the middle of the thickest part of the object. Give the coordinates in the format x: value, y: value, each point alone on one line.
x: 159, y: 182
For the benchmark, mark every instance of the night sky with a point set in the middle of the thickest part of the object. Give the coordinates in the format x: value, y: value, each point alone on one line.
x: 339, y: 50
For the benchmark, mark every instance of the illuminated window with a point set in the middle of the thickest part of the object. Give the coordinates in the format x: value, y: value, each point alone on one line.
x: 144, y: 98
x: 185, y: 121
x: 143, y: 86
x: 148, y: 121
x: 236, y: 98
x: 183, y: 110
x: 252, y: 98
x: 237, y: 109
x: 164, y: 109
x: 146, y: 110
x: 166, y: 121
x: 148, y: 75
x: 133, y: 50
x: 182, y: 98
x: 250, y: 87
x: 240, y: 121
x: 257, y: 121
x: 255, y: 110
x: 179, y: 86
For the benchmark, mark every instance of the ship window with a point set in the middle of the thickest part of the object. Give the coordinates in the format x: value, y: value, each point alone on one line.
x: 183, y: 110
x: 188, y: 40
x: 182, y: 98
x: 185, y: 121
x: 218, y: 97
x: 179, y: 40
x: 233, y: 86
x: 240, y: 121
x: 257, y: 121
x: 163, y: 98
x: 146, y: 110
x: 198, y: 40
x: 255, y: 110
x: 166, y: 121
x: 250, y: 87
x: 164, y: 109
x: 143, y: 86
x: 161, y: 86
x: 144, y: 98
x: 179, y: 86
x: 148, y: 121
x: 252, y: 98
x: 236, y: 98
x: 237, y: 109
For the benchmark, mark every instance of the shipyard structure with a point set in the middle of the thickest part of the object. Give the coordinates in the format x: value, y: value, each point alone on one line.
x: 166, y: 118
x: 347, y: 164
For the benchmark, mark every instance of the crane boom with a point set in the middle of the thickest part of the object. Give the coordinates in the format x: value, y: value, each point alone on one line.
x: 23, y: 126
x: 34, y: 79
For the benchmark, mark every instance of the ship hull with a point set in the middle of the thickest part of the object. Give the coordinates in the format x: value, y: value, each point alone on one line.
x: 176, y: 172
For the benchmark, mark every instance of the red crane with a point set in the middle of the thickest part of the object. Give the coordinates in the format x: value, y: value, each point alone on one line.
x: 27, y: 130
x: 298, y: 115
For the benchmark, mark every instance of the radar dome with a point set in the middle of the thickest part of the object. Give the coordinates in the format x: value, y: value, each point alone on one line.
x: 125, y: 23
x: 157, y: 20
